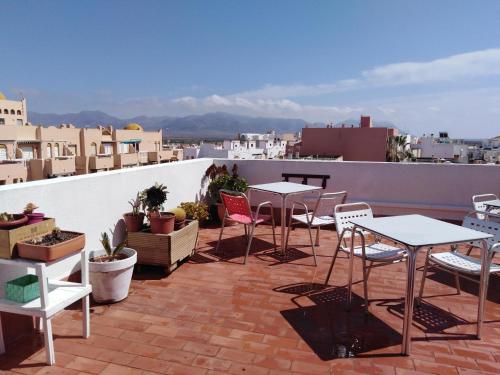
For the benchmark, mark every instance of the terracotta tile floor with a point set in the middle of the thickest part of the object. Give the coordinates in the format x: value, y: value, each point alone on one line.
x: 215, y: 316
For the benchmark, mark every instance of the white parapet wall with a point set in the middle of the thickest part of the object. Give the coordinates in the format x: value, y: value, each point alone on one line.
x: 442, y: 191
x: 95, y: 203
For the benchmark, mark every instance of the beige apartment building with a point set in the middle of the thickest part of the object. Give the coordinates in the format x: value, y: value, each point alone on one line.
x: 29, y: 152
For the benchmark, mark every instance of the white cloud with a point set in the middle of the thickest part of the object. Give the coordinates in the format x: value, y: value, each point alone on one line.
x: 453, y: 68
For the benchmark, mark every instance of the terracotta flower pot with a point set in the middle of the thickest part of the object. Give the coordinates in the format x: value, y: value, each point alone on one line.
x: 162, y: 223
x: 133, y: 222
x: 48, y: 253
x: 179, y: 224
x: 220, y: 213
x: 35, y: 217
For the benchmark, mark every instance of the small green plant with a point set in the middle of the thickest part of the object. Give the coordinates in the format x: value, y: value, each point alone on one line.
x: 180, y: 214
x: 154, y: 197
x: 136, y: 204
x: 111, y: 252
x: 30, y: 207
x: 222, y: 180
x: 56, y: 233
x: 195, y: 211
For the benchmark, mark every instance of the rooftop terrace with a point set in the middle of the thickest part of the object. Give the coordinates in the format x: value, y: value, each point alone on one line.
x: 270, y: 316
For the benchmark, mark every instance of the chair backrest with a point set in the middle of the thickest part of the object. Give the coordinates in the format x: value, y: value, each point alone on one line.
x: 235, y: 203
x: 345, y: 212
x: 326, y: 203
x: 486, y: 226
x: 478, y: 203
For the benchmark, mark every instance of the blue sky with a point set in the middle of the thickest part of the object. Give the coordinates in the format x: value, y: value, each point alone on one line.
x: 425, y: 65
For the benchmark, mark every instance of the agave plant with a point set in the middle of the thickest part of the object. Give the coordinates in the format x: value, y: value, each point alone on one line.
x: 111, y: 252
x: 136, y: 204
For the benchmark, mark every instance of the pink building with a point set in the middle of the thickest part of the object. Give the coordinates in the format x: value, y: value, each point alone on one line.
x: 364, y: 143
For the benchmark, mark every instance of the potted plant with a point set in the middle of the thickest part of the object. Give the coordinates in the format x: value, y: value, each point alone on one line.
x: 196, y: 211
x: 52, y: 246
x: 110, y: 271
x: 33, y: 217
x: 180, y: 217
x: 221, y: 179
x: 135, y: 218
x: 9, y: 221
x: 153, y: 199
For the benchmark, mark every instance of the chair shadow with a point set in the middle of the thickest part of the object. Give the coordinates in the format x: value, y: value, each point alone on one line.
x: 466, y: 286
x: 430, y: 318
x: 331, y: 331
x: 292, y: 254
x: 234, y: 247
x: 300, y: 288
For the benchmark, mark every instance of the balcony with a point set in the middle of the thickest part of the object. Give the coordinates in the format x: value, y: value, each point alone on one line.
x: 157, y: 157
x: 12, y: 172
x: 100, y: 162
x: 143, y: 157
x: 215, y: 315
x: 60, y: 166
x: 126, y: 160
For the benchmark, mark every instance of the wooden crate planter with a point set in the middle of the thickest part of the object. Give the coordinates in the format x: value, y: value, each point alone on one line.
x: 164, y: 250
x: 10, y: 237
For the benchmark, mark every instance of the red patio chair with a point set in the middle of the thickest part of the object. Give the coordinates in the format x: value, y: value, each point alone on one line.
x: 237, y: 208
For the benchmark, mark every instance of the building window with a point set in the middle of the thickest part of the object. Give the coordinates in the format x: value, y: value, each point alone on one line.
x: 108, y: 148
x: 20, y: 121
x: 27, y: 152
x: 56, y: 150
x: 49, y: 150
x: 19, y: 112
x: 6, y: 111
x: 3, y: 152
x: 93, y: 148
x: 72, y: 150
x: 2, y: 121
x: 12, y: 112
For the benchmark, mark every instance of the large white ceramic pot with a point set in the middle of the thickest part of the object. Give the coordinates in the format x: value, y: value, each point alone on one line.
x: 111, y: 280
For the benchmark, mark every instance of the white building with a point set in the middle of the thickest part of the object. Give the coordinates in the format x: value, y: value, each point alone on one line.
x: 442, y: 147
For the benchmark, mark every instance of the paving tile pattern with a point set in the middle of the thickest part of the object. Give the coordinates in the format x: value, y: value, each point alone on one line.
x: 271, y: 316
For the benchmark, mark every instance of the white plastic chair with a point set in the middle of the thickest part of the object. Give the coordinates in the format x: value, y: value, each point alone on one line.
x: 322, y: 214
x: 462, y: 265
x: 377, y: 253
x: 481, y: 208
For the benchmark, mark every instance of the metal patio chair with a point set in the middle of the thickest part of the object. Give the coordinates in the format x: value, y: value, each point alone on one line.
x: 481, y: 208
x: 322, y: 214
x: 376, y: 253
x: 461, y: 265
x: 237, y: 208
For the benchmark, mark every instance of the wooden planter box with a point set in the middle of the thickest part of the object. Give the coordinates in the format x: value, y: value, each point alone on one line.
x: 164, y: 250
x: 10, y: 237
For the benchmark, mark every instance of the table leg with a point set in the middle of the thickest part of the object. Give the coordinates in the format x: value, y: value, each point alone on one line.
x: 2, y: 342
x: 483, y: 285
x: 409, y: 300
x: 283, y: 223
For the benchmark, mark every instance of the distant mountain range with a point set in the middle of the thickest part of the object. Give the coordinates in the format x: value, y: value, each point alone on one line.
x: 209, y: 125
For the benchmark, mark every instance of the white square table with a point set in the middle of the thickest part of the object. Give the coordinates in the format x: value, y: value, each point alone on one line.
x: 416, y: 232
x: 284, y: 189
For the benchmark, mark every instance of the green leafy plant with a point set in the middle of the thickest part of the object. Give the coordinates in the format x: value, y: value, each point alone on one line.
x: 136, y: 204
x: 111, y: 252
x: 196, y: 211
x: 154, y: 197
x: 222, y: 180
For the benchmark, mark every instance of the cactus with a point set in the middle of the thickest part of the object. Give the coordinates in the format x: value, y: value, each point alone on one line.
x: 4, y: 216
x: 136, y: 204
x: 30, y: 207
x: 180, y: 214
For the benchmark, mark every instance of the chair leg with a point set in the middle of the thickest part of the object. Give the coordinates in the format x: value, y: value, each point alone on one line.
x: 333, y: 262
x: 49, y: 343
x: 312, y: 244
x: 220, y: 234
x: 351, y: 267
x: 274, y: 231
x: 365, y: 284
x: 318, y: 228
x: 86, y: 317
x: 424, y: 275
x: 249, y: 243
x: 457, y: 282
x: 470, y: 250
x: 369, y: 270
x: 290, y: 226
